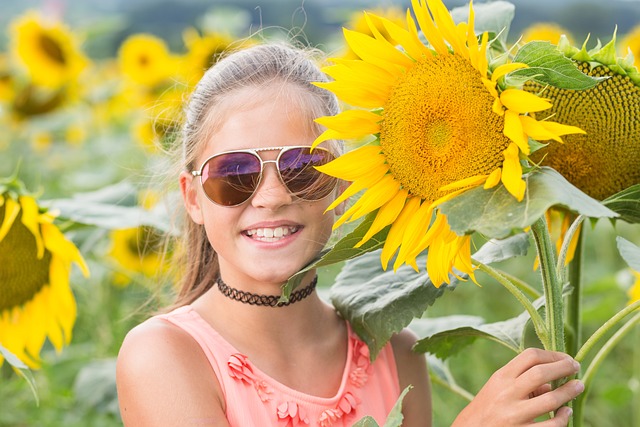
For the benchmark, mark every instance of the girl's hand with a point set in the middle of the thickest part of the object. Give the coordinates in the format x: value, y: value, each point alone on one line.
x: 519, y: 392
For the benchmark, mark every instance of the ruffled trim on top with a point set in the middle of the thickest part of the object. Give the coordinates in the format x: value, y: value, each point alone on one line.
x: 291, y: 413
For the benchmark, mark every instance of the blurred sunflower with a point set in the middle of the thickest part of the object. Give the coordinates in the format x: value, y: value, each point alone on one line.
x: 202, y: 52
x: 545, y: 31
x: 138, y: 250
x: 36, y: 301
x: 444, y: 122
x: 48, y: 50
x: 631, y: 43
x: 634, y: 291
x: 6, y: 80
x: 145, y: 59
x: 358, y: 23
x: 605, y: 160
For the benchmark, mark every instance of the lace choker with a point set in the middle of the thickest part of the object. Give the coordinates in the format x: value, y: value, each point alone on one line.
x: 265, y: 300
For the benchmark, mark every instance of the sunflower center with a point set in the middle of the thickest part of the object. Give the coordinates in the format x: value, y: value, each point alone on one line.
x: 606, y: 159
x: 435, y: 132
x: 52, y: 49
x: 22, y: 274
x: 143, y: 61
x: 145, y: 241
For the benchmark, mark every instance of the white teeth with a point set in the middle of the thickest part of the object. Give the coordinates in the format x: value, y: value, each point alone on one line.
x: 271, y: 234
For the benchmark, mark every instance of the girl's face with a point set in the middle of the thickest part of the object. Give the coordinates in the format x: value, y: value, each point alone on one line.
x: 274, y: 234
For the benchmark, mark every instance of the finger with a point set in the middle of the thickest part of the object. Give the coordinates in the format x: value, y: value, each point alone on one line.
x: 532, y: 357
x: 552, y: 400
x: 538, y: 375
x: 561, y: 419
x: 544, y: 388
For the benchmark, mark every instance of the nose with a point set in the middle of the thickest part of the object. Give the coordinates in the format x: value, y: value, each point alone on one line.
x: 271, y: 193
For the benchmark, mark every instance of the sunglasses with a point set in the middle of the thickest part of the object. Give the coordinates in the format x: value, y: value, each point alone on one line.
x: 231, y: 178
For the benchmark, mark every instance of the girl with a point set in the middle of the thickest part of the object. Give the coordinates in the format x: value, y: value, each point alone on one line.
x: 230, y: 354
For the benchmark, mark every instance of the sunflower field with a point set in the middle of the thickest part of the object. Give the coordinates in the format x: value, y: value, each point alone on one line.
x: 494, y: 197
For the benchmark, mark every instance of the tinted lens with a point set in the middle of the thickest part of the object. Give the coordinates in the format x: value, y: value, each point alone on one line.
x: 231, y: 178
x: 297, y: 168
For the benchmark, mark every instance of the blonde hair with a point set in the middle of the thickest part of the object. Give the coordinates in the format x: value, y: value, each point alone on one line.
x: 257, y: 67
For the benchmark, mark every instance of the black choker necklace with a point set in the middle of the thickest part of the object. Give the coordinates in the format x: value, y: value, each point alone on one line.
x: 265, y: 300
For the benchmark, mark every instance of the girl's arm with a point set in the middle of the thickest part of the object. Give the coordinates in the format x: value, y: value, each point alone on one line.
x: 164, y: 379
x: 412, y: 370
x: 519, y: 392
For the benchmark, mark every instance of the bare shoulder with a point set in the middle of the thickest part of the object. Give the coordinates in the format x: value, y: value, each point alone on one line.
x: 164, y: 378
x: 412, y: 370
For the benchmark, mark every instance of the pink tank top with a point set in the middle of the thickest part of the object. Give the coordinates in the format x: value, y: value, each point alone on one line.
x: 255, y: 399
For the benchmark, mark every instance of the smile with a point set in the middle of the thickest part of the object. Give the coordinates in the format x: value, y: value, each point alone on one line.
x: 271, y: 234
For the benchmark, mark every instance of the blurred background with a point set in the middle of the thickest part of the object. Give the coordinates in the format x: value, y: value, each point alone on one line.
x: 93, y: 133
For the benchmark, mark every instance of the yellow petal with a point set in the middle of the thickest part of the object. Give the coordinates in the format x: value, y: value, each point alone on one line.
x: 379, y: 52
x: 11, y: 210
x: 376, y: 196
x: 386, y: 215
x: 30, y: 216
x: 58, y: 245
x: 404, y: 39
x: 494, y: 179
x: 447, y: 27
x: 512, y: 173
x: 522, y: 102
x: 396, y: 233
x: 560, y: 129
x: 513, y: 130
x: 366, y: 180
x: 416, y: 228
x: 356, y: 163
x: 346, y: 121
x: 472, y: 181
x: 356, y: 96
x: 506, y: 69
x: 428, y: 28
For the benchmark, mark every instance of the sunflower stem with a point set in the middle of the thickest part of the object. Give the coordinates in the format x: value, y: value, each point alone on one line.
x: 551, y: 285
x: 538, y: 323
x: 578, y: 407
x: 574, y: 302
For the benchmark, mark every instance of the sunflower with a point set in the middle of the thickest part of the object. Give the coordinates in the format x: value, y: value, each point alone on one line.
x: 359, y: 23
x: 6, y: 80
x: 634, y: 290
x: 36, y: 301
x: 605, y: 160
x: 545, y: 31
x: 48, y: 50
x: 202, y: 52
x: 138, y: 250
x: 145, y: 59
x: 631, y: 43
x: 444, y: 123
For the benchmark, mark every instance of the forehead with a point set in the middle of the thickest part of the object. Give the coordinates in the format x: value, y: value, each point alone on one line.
x: 256, y: 117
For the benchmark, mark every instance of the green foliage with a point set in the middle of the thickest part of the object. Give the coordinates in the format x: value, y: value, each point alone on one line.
x: 630, y: 252
x: 395, y: 416
x: 548, y: 66
x: 381, y: 303
x: 495, y: 213
x: 626, y: 203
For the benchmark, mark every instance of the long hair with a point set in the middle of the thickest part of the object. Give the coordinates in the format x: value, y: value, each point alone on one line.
x: 258, y: 67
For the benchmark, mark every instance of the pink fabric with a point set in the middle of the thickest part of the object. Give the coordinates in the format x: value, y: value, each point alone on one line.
x: 255, y: 399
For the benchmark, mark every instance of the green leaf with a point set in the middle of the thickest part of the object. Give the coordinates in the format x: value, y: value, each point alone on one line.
x: 493, y: 17
x: 95, y: 386
x: 440, y: 374
x: 22, y: 370
x: 112, y: 208
x: 380, y: 303
x: 341, y: 251
x: 367, y: 421
x: 393, y: 420
x: 626, y: 203
x: 548, y: 66
x: 464, y: 330
x: 496, y: 213
x: 629, y: 252
x: 395, y: 416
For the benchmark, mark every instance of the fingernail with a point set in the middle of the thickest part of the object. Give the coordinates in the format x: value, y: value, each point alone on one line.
x: 579, y: 386
x: 576, y: 365
x: 570, y: 412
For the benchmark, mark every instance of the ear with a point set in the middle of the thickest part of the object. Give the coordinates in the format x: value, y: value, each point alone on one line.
x: 190, y: 197
x: 339, y: 210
